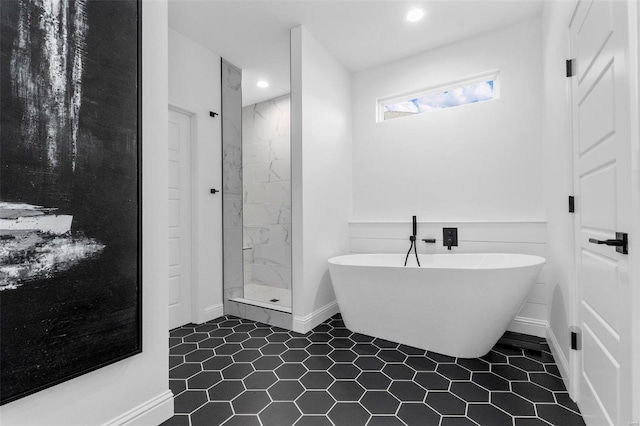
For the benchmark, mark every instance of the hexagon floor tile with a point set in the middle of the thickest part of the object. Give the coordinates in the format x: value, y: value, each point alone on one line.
x: 233, y: 371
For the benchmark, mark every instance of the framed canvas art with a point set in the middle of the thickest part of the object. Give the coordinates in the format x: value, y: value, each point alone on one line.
x: 70, y: 189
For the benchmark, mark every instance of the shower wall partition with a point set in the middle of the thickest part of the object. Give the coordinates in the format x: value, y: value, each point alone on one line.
x: 266, y: 231
x: 231, y: 182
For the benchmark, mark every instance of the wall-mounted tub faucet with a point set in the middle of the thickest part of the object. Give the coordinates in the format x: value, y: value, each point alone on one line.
x: 413, y: 246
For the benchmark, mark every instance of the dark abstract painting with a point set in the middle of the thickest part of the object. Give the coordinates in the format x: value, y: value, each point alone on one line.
x: 70, y: 283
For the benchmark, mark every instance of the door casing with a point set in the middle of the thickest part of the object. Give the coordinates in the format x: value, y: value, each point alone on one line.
x: 193, y: 210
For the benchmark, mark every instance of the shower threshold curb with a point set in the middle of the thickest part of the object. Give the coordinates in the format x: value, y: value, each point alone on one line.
x: 265, y: 305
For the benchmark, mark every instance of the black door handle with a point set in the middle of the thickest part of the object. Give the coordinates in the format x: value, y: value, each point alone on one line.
x: 616, y: 243
x: 620, y: 243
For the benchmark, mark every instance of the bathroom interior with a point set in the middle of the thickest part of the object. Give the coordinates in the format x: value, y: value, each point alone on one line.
x: 291, y: 159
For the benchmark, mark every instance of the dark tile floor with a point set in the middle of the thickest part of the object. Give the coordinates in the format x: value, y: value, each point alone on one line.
x: 232, y: 371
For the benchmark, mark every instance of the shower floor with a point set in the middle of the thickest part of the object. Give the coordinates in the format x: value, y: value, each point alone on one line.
x: 266, y: 296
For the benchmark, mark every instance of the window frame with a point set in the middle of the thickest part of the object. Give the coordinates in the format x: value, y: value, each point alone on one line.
x: 493, y: 75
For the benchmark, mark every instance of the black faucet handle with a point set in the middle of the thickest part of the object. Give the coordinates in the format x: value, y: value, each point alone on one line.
x: 450, y: 237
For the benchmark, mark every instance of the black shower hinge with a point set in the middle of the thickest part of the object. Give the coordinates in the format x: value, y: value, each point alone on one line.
x: 572, y: 204
x: 570, y: 67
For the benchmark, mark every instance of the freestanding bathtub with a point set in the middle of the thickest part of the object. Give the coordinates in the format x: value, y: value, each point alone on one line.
x: 454, y: 304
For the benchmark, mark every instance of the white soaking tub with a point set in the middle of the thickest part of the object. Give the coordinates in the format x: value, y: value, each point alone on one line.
x: 454, y: 304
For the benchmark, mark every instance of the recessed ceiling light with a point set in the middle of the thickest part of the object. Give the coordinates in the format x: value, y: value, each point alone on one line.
x: 262, y: 84
x: 415, y: 15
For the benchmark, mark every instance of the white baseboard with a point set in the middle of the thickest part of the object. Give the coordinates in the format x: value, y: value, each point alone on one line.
x: 308, y: 322
x: 558, y: 356
x: 210, y: 312
x: 530, y: 326
x: 153, y: 412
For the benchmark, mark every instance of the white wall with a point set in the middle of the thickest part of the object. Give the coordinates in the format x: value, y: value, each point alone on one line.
x: 480, y: 162
x: 194, y: 86
x: 634, y: 48
x: 321, y: 174
x: 558, y: 174
x: 137, y: 388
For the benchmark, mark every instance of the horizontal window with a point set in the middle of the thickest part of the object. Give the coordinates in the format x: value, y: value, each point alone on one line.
x: 468, y: 91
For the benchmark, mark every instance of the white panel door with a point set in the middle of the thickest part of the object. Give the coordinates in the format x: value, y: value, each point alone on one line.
x: 179, y: 232
x: 602, y: 178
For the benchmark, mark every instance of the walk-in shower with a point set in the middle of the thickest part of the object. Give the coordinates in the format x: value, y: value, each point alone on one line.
x: 266, y: 212
x: 256, y: 168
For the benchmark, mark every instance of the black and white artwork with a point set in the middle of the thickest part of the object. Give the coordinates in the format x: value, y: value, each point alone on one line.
x: 70, y: 230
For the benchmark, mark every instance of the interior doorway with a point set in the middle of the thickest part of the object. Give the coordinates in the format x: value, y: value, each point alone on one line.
x: 600, y: 106
x: 180, y: 277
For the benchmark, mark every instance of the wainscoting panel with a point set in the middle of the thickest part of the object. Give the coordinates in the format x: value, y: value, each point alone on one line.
x: 473, y: 237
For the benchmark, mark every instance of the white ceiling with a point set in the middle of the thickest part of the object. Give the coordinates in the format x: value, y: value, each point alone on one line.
x: 254, y: 35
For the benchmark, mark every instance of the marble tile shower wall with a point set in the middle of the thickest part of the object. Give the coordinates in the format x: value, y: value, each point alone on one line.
x: 266, y: 157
